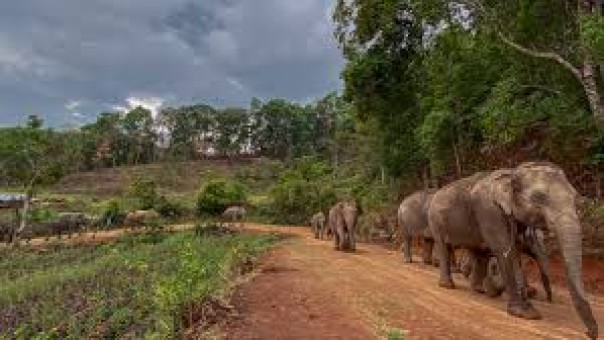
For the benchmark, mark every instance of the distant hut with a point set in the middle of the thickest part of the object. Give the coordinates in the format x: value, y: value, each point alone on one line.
x: 12, y: 201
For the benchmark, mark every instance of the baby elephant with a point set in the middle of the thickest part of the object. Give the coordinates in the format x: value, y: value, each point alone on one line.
x: 317, y: 223
x: 342, y: 221
x: 530, y: 242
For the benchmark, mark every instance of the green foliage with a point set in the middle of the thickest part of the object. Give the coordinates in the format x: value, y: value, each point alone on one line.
x: 218, y: 194
x: 141, y: 287
x: 42, y: 215
x: 144, y: 190
x: 396, y: 334
x: 592, y: 34
x: 302, y: 191
x: 31, y: 156
x: 169, y: 208
x: 113, y: 213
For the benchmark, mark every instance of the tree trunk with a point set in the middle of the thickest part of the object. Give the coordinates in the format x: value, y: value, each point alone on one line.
x: 457, y: 161
x: 23, y: 218
x: 589, y: 69
x: 590, y: 86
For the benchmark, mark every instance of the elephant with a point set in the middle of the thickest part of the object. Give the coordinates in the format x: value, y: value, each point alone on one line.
x: 139, y: 218
x: 376, y: 224
x: 413, y: 222
x: 233, y: 214
x: 531, y: 243
x: 342, y: 221
x: 486, y: 212
x: 317, y: 223
x: 412, y: 219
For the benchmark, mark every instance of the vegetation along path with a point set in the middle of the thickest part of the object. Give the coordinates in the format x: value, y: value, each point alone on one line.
x: 306, y: 290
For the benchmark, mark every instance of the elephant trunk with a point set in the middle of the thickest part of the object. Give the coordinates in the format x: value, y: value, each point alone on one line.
x: 568, y: 232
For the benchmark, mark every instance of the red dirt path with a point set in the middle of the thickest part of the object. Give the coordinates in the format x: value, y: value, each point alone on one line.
x: 306, y: 290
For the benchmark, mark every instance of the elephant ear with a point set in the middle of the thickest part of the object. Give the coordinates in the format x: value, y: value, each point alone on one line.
x: 504, y: 186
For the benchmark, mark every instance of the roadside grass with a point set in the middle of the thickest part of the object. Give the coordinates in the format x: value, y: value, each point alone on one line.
x: 150, y: 286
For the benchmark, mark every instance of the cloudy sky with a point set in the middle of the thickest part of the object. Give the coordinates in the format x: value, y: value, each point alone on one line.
x: 67, y: 60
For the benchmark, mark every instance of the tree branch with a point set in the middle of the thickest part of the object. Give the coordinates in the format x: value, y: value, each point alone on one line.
x: 543, y: 55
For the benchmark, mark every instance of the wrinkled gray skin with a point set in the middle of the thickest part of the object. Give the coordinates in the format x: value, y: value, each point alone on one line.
x: 412, y: 218
x: 530, y: 242
x: 317, y: 223
x: 234, y: 214
x: 482, y: 213
x: 413, y: 222
x: 342, y: 221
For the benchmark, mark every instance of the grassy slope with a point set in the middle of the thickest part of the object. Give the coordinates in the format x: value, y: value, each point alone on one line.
x: 141, y: 287
x: 177, y: 177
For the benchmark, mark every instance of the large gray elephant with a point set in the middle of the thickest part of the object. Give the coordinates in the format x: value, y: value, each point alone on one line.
x: 342, y: 221
x: 487, y: 211
x: 412, y: 217
x: 317, y: 223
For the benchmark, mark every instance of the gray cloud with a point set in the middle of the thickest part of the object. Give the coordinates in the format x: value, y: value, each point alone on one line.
x: 100, y: 53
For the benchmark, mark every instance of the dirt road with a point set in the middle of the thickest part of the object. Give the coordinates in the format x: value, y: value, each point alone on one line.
x: 306, y: 290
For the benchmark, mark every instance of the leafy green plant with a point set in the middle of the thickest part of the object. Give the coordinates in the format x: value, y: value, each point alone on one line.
x: 138, y: 287
x: 112, y: 214
x: 396, y: 334
x: 144, y: 190
x: 218, y: 194
x: 169, y: 208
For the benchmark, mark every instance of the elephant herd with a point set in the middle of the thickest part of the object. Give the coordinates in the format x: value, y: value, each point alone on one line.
x: 492, y: 217
x: 340, y: 222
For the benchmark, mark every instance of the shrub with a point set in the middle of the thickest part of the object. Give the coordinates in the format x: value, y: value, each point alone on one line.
x: 144, y: 190
x: 42, y: 215
x: 217, y: 195
x: 113, y: 214
x: 306, y: 187
x: 169, y: 209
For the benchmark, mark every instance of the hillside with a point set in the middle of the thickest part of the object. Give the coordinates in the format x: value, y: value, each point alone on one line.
x: 176, y: 177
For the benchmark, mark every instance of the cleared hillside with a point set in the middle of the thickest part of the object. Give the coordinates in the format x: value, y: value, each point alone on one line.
x: 176, y: 177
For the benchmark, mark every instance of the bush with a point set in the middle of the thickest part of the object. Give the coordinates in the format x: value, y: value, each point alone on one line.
x: 169, y: 209
x: 217, y: 195
x: 302, y: 191
x: 144, y: 190
x: 113, y: 214
x: 42, y: 215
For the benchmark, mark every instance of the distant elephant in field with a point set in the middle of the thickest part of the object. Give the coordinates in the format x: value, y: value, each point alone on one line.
x: 139, y: 218
x: 531, y: 243
x: 317, y: 223
x: 233, y: 214
x: 488, y: 210
x: 342, y: 220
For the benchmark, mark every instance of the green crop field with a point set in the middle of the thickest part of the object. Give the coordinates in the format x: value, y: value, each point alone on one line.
x: 146, y: 286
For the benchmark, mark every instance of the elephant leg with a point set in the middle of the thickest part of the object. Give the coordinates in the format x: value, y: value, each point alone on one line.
x: 454, y: 265
x: 408, y: 257
x: 427, y: 249
x: 518, y: 304
x: 343, y: 239
x: 336, y: 239
x: 352, y: 241
x: 496, y: 232
x: 537, y: 253
x: 493, y: 283
x: 479, y: 271
x: 446, y: 280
